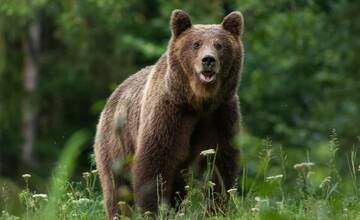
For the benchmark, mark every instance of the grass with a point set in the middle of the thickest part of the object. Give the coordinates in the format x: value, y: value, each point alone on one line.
x: 268, y: 188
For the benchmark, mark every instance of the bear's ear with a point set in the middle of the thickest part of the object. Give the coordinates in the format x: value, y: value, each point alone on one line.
x: 179, y: 22
x: 234, y: 23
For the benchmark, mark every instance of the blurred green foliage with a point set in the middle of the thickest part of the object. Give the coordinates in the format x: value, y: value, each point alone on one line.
x: 300, y: 79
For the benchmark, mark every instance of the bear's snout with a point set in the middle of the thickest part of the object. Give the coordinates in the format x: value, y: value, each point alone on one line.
x: 208, y: 67
x: 208, y: 62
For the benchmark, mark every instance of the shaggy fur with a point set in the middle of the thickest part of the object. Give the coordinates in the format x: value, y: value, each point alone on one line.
x: 164, y: 115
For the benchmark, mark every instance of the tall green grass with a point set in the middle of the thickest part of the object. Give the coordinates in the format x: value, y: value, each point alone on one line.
x: 269, y: 187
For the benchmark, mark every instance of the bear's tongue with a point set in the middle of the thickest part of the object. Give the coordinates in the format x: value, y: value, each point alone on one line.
x: 207, y: 77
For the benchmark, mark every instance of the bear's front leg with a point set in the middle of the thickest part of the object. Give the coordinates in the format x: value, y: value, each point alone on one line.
x: 163, y: 143
x: 227, y: 122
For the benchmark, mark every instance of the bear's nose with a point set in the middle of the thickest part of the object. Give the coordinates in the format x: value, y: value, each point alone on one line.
x: 208, y: 61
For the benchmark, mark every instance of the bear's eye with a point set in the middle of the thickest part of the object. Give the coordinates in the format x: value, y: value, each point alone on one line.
x: 218, y: 46
x: 196, y: 45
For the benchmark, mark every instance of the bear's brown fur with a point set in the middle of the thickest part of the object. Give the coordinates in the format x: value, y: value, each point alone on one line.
x: 165, y: 114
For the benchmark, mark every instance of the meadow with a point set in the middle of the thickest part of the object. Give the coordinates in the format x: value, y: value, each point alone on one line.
x: 267, y: 188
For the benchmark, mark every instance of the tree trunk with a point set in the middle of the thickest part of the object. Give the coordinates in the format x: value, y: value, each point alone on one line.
x: 31, y: 44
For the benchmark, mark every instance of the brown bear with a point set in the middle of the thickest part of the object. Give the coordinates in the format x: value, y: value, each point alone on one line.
x: 166, y: 114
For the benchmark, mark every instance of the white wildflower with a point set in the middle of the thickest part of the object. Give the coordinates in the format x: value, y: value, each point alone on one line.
x: 260, y: 200
x: 207, y: 152
x: 211, y: 184
x: 85, y: 174
x: 233, y: 190
x: 82, y: 201
x: 326, y: 181
x: 121, y: 203
x: 300, y: 166
x: 26, y: 176
x: 274, y: 178
x: 41, y: 196
x: 255, y: 209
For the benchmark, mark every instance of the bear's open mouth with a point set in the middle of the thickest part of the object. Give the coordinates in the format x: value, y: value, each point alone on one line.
x: 207, y: 76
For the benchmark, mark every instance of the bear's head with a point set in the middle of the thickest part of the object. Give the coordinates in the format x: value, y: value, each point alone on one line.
x: 209, y: 57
